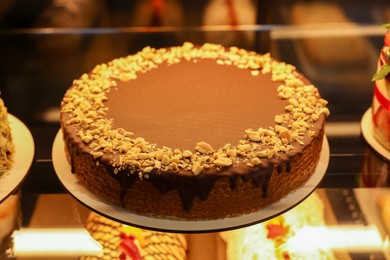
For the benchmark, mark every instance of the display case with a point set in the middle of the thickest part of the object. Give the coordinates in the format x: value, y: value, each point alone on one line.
x: 45, y: 45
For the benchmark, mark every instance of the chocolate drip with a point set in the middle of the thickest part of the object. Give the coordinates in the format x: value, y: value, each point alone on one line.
x: 125, y: 180
x: 233, y: 181
x: 265, y: 189
x: 288, y: 167
x: 262, y: 177
x: 280, y: 168
x: 72, y: 166
x: 70, y: 149
x: 187, y: 187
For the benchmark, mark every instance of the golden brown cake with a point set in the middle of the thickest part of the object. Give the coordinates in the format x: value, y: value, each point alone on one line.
x: 125, y: 242
x: 193, y: 132
x: 6, y: 143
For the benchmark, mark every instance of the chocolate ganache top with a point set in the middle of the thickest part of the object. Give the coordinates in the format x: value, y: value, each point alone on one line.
x: 181, y: 104
x: 192, y: 109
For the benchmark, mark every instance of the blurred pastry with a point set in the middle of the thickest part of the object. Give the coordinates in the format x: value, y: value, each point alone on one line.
x: 328, y: 51
x: 267, y: 239
x: 381, y: 100
x: 231, y: 13
x: 6, y: 143
x: 125, y: 242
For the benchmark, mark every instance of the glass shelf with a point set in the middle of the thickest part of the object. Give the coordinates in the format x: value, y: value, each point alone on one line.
x: 339, y: 56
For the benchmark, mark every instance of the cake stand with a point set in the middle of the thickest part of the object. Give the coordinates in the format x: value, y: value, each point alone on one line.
x: 366, y: 127
x: 23, y: 157
x: 107, y: 209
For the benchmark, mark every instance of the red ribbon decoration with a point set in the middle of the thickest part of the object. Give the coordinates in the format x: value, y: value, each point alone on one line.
x: 383, y: 101
x: 129, y: 248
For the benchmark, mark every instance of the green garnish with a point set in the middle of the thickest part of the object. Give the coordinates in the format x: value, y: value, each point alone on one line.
x: 382, y: 73
x: 386, y: 25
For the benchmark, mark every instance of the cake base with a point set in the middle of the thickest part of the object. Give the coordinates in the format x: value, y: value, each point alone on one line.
x: 103, y: 207
x: 366, y: 127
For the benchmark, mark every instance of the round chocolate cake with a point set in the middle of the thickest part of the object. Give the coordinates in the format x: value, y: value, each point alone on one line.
x: 193, y: 132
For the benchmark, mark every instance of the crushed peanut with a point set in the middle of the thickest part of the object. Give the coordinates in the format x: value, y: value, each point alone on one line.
x: 204, y: 148
x: 223, y: 162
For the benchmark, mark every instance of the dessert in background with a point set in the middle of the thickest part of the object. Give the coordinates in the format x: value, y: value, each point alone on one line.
x: 157, y: 13
x: 381, y: 100
x: 328, y: 52
x: 335, y: 59
x: 125, y: 242
x: 6, y: 143
x: 193, y: 132
x: 266, y: 240
x: 231, y: 13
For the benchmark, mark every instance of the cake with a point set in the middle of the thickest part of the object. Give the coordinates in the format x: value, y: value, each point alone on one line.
x: 381, y: 100
x: 6, y: 143
x: 267, y: 240
x: 125, y: 242
x: 193, y: 132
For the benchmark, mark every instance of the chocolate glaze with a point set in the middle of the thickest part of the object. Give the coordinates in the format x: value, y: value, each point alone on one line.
x: 189, y: 107
x: 190, y: 187
x: 192, y: 107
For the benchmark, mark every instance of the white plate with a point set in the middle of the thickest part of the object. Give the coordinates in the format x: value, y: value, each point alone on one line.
x: 23, y: 157
x: 72, y: 184
x: 366, y: 126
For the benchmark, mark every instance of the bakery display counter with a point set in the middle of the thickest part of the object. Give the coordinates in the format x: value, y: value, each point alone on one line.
x: 355, y: 218
x: 354, y: 192
x: 336, y: 48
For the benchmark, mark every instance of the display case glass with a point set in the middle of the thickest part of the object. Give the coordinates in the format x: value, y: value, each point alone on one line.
x: 45, y: 45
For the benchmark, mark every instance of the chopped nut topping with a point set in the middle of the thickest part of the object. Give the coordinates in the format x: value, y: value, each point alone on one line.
x: 196, y: 168
x: 97, y: 154
x: 223, y: 162
x: 165, y: 160
x: 204, y: 148
x: 87, y: 138
x: 262, y: 153
x: 157, y: 164
x: 278, y: 119
x: 148, y: 169
x: 255, y: 161
x: 253, y: 135
x: 187, y: 153
x: 231, y: 153
x: 270, y: 153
